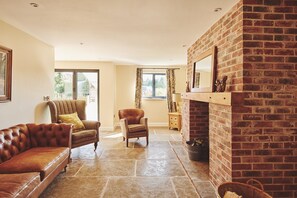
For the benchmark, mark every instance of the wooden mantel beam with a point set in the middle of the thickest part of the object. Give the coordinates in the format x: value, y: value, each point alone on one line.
x: 223, y: 98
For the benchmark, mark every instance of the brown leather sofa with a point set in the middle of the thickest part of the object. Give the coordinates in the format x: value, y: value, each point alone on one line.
x: 31, y: 156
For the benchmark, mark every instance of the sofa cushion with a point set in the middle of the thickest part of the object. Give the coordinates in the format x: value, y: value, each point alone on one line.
x: 18, y: 185
x: 85, y: 134
x: 136, y: 127
x: 72, y: 119
x: 38, y: 159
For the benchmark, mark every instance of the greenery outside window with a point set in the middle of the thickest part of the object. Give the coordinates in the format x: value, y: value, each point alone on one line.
x: 154, y: 85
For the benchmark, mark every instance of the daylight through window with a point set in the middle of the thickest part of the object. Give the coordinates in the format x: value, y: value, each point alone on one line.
x: 154, y: 85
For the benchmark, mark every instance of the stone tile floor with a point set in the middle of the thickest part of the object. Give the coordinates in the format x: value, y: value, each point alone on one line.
x: 161, y: 169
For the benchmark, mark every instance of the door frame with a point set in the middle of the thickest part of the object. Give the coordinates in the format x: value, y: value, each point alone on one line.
x: 74, y: 83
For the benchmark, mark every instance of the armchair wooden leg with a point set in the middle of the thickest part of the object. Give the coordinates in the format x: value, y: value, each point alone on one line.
x: 147, y: 140
x: 95, y: 145
x: 123, y: 138
x: 127, y: 142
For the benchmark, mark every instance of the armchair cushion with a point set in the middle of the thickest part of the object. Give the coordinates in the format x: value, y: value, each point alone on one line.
x: 85, y: 134
x: 136, y: 127
x: 72, y: 119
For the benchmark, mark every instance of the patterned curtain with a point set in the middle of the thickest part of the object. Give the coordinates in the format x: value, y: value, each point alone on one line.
x: 138, y: 91
x: 170, y: 89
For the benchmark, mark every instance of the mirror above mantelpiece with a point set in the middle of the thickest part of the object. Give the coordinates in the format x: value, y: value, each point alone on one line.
x: 204, y: 71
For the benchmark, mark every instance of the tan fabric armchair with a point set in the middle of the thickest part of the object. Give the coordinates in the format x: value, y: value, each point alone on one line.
x: 133, y: 124
x: 82, y: 137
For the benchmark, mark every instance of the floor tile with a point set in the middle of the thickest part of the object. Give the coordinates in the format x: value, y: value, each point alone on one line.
x: 152, y: 144
x: 196, y: 170
x: 181, y: 152
x: 108, y: 168
x: 205, y: 189
x: 157, y: 153
x: 139, y: 187
x: 75, y: 187
x: 184, y: 188
x: 158, y: 168
x: 137, y: 153
x: 73, y: 168
x: 86, y: 152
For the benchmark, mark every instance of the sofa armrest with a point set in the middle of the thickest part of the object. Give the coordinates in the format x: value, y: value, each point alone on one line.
x: 89, y: 124
x: 50, y: 135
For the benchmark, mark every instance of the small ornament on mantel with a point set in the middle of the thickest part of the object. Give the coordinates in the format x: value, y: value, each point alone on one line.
x: 221, y: 84
x: 188, y: 86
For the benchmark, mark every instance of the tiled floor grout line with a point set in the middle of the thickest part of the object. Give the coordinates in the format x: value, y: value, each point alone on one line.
x: 135, y: 173
x: 186, y: 172
x: 161, y: 141
x: 75, y: 175
x: 173, y: 186
x: 104, y: 189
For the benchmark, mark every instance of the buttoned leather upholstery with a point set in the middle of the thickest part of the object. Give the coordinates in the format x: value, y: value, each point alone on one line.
x: 133, y: 124
x: 80, y: 137
x: 49, y: 135
x: 13, y: 141
x: 42, y: 149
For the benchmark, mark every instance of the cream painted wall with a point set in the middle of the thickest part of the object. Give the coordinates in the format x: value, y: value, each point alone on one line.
x: 107, y: 83
x: 155, y: 110
x: 32, y: 78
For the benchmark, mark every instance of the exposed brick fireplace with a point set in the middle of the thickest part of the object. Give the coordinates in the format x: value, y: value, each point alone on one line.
x: 257, y: 138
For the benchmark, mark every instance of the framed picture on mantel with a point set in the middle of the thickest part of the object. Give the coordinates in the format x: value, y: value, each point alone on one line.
x: 5, y: 74
x: 204, y: 68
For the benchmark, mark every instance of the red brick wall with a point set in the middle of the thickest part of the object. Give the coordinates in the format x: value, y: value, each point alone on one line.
x: 264, y: 136
x: 226, y: 34
x: 199, y: 117
x: 220, y: 143
x: 257, y: 50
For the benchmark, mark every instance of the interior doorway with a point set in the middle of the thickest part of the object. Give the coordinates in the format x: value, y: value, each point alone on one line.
x: 79, y: 84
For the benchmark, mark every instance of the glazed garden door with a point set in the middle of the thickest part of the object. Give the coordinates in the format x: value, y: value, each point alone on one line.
x: 79, y: 85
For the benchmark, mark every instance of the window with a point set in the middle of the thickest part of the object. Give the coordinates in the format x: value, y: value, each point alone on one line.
x: 154, y: 85
x: 79, y: 85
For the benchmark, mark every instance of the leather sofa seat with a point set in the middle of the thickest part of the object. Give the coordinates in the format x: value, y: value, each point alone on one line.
x: 42, y: 159
x: 18, y: 185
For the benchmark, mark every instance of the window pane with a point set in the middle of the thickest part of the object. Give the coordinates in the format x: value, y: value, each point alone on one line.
x: 160, y: 85
x: 87, y: 89
x: 147, y: 85
x: 63, y: 85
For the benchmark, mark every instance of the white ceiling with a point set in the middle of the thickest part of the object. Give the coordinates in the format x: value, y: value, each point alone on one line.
x: 144, y: 32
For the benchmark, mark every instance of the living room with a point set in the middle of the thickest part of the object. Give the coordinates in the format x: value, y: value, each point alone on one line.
x: 252, y: 135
